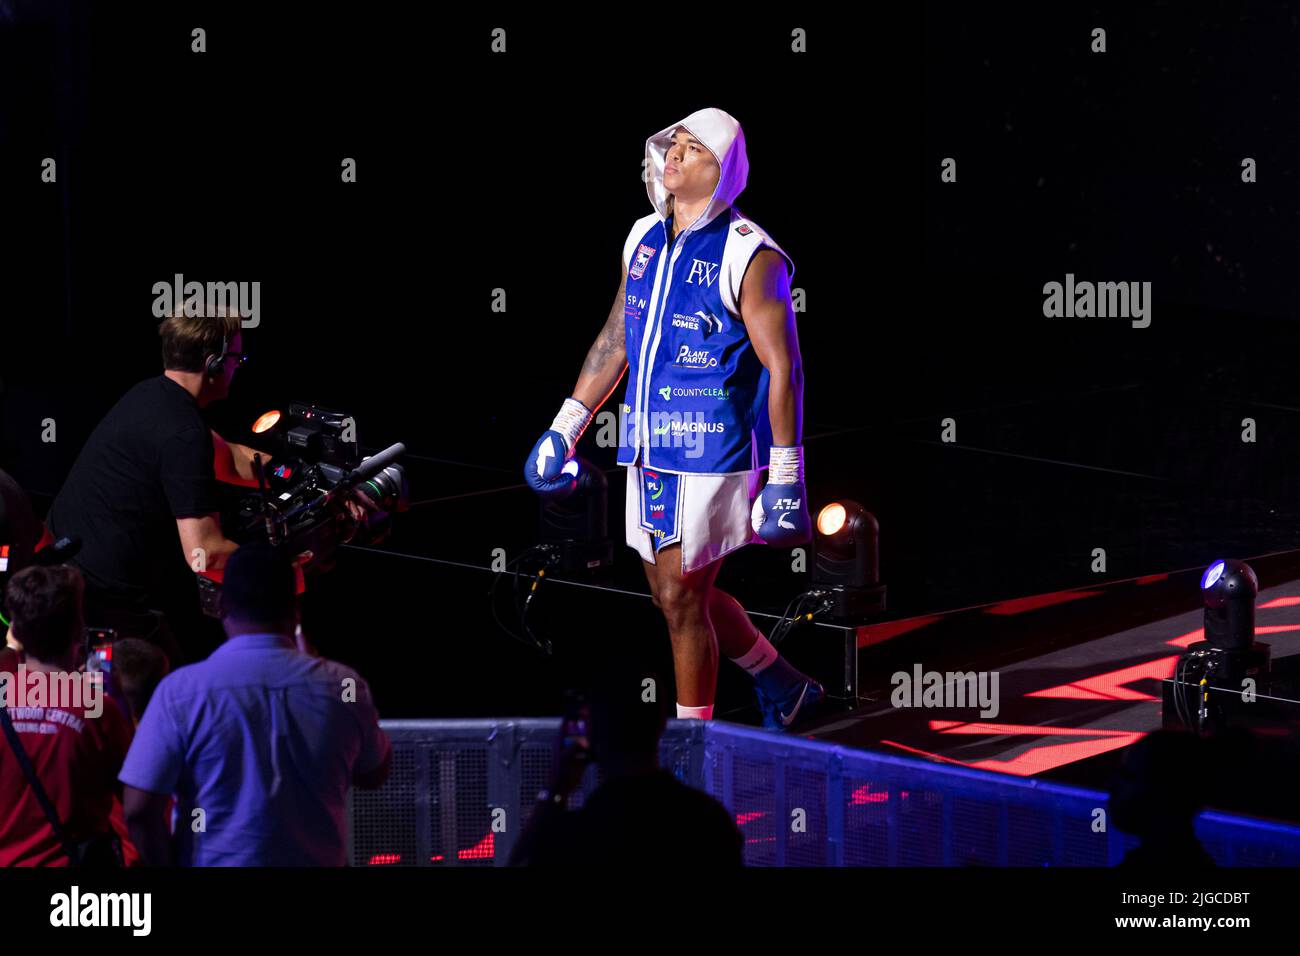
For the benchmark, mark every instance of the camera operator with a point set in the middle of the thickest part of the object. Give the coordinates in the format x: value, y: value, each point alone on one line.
x: 142, y: 495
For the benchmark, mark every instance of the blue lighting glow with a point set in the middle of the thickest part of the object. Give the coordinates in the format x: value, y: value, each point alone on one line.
x: 1211, y: 575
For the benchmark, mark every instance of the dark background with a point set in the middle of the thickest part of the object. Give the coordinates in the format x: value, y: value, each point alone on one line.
x: 479, y: 171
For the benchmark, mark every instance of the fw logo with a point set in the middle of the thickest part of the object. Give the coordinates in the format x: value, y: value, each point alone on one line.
x: 706, y: 271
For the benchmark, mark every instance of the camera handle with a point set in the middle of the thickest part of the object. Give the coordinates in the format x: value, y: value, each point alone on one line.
x: 275, y: 530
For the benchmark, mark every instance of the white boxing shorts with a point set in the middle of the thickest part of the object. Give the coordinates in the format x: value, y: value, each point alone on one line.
x: 708, y: 515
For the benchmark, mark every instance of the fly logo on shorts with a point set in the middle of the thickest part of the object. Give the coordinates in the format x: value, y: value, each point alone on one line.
x: 641, y: 260
x: 708, y: 271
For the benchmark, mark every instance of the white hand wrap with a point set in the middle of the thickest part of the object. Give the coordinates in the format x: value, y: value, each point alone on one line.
x: 571, y: 422
x: 785, y: 465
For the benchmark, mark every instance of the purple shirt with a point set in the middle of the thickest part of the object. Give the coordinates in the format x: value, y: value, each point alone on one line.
x: 265, y: 740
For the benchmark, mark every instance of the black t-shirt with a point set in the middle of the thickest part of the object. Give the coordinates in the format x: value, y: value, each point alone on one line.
x: 149, y: 462
x: 643, y: 820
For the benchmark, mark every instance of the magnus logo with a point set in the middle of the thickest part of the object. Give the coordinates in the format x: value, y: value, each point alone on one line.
x: 695, y: 358
x: 707, y: 272
x: 950, y: 690
x: 677, y: 427
x: 660, y: 429
x: 1102, y: 300
x: 103, y: 909
x: 214, y: 298
x: 701, y: 320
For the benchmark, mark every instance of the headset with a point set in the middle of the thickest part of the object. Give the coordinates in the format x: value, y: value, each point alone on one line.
x: 218, y: 362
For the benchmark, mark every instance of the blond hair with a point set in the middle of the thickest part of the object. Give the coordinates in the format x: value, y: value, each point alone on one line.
x: 187, y: 340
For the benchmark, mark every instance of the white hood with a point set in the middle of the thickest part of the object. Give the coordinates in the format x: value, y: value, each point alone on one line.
x: 721, y: 133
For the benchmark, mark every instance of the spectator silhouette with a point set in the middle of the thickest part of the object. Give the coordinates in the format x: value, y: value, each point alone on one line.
x: 1159, y: 789
x: 641, y: 815
x: 259, y: 743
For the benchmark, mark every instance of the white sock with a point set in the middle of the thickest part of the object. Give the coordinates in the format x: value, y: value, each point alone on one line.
x: 703, y: 713
x: 758, y: 657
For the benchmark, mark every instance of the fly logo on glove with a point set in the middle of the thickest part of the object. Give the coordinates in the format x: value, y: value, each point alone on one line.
x: 780, y: 515
x: 551, y: 470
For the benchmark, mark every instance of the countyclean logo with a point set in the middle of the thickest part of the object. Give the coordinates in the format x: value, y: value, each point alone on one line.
x: 669, y: 392
x: 700, y: 321
x: 688, y: 357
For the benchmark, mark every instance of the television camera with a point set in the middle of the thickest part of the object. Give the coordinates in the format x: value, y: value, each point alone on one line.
x: 312, y: 469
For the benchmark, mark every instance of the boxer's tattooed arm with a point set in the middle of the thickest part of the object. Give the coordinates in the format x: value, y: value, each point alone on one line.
x: 607, y: 356
x: 610, y: 345
x: 608, y: 348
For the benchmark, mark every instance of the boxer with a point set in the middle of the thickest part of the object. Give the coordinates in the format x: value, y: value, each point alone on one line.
x: 704, y: 325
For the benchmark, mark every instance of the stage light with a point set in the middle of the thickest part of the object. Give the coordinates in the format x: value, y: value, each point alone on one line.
x: 266, y: 422
x: 847, y: 562
x: 577, y: 527
x: 1228, y: 589
x: 574, y: 538
x: 1228, y: 655
x: 831, y: 518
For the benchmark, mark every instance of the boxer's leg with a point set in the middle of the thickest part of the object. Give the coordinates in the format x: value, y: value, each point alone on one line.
x: 736, y: 633
x: 747, y: 646
x: 684, y: 601
x: 732, y: 628
x: 652, y: 580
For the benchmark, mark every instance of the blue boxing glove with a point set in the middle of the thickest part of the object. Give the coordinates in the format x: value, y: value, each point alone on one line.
x: 551, y: 470
x: 780, y: 515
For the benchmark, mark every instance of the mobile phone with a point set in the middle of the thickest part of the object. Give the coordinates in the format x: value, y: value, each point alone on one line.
x: 99, y: 648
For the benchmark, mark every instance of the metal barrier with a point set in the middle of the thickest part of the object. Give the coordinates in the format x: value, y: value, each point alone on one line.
x: 462, y: 790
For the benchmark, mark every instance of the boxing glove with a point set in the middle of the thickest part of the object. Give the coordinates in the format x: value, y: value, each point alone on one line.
x: 780, y: 514
x: 551, y: 470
